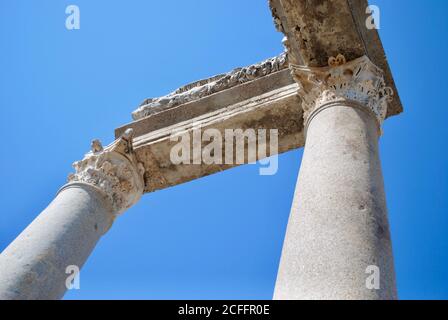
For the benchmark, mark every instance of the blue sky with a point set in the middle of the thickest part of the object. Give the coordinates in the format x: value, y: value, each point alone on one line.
x: 219, y: 237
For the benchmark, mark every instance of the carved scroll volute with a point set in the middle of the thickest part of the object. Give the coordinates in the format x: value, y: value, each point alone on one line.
x: 358, y: 80
x: 115, y: 170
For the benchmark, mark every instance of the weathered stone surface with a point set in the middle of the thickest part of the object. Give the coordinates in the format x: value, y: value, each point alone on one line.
x: 338, y: 225
x: 115, y: 170
x: 318, y: 29
x: 338, y: 228
x: 106, y: 182
x: 34, y: 265
x: 358, y: 80
x: 268, y: 102
x: 203, y: 88
x: 315, y: 30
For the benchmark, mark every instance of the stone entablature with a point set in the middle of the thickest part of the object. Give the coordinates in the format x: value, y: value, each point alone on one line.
x: 315, y: 30
x: 206, y: 87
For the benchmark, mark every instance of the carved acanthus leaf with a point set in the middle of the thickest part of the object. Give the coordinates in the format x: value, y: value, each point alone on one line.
x: 358, y: 80
x: 115, y: 170
x: 206, y: 87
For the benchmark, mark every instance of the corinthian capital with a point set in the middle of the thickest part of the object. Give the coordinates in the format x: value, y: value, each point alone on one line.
x: 114, y: 170
x: 358, y: 81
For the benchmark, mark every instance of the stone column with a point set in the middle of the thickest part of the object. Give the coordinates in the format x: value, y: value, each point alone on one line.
x: 38, y: 262
x: 337, y: 243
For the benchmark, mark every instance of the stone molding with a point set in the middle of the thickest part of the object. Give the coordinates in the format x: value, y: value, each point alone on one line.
x: 359, y: 81
x: 114, y: 170
x: 206, y: 87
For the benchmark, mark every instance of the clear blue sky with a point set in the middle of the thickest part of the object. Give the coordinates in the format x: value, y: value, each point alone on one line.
x: 220, y: 236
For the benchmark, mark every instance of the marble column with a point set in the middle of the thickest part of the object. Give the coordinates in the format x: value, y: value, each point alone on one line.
x: 37, y: 264
x: 337, y: 243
